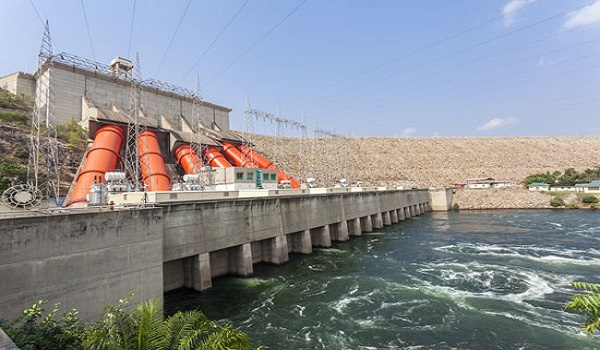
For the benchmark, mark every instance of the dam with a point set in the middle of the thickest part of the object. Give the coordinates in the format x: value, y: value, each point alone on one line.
x: 166, y: 196
x: 86, y: 258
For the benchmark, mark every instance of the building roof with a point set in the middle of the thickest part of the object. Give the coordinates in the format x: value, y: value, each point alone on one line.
x: 480, y: 179
x: 534, y: 184
x: 99, y: 70
x: 594, y: 183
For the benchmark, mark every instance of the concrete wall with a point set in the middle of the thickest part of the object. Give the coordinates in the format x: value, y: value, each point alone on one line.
x: 88, y: 260
x: 441, y: 199
x: 18, y: 82
x: 68, y: 85
x: 83, y: 261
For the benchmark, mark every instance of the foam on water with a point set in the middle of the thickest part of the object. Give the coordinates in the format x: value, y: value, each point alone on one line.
x: 551, y: 255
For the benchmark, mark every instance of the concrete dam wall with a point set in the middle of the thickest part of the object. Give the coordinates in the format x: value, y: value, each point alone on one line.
x: 87, y: 260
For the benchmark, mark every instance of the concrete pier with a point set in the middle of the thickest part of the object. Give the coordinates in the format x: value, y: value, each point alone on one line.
x: 342, y: 233
x: 377, y: 221
x: 366, y: 224
x: 394, y: 216
x: 300, y: 242
x: 387, y: 220
x: 354, y: 228
x: 321, y: 237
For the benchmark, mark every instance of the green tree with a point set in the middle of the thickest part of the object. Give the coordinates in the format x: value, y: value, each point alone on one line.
x: 11, y: 172
x: 145, y: 328
x: 587, y: 302
x: 31, y: 332
x: 541, y: 177
x: 73, y: 134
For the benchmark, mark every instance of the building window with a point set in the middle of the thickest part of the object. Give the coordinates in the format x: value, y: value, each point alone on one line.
x: 274, y: 177
x: 239, y: 176
x: 249, y: 176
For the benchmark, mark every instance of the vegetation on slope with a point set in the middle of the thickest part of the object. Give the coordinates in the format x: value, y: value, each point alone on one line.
x: 15, y: 131
x: 569, y: 177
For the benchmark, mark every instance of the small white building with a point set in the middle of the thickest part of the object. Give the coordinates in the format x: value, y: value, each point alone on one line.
x: 502, y: 184
x: 538, y: 186
x: 592, y: 187
x: 565, y: 189
x: 478, y: 183
x: 235, y: 179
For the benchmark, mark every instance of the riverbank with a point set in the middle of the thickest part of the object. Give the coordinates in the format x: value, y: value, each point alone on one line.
x: 513, y: 198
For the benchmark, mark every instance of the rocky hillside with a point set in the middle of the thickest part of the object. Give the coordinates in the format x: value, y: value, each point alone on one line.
x: 15, y: 131
x: 439, y: 161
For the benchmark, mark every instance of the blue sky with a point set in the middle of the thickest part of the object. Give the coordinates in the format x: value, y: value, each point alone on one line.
x: 361, y: 68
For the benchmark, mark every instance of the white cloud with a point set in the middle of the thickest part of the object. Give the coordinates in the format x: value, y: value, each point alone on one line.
x: 509, y: 10
x: 497, y: 123
x: 546, y: 62
x: 584, y: 16
x: 409, y: 131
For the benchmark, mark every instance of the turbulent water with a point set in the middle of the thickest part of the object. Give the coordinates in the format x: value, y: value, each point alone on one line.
x: 468, y: 280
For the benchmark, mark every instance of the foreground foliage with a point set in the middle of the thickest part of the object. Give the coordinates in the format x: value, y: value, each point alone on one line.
x: 30, y: 331
x: 587, y: 302
x: 144, y: 328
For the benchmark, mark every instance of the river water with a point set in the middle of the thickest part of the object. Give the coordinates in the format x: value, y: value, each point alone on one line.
x: 458, y: 280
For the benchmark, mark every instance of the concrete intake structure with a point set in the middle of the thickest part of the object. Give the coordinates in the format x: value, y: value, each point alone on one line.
x: 87, y: 259
x: 100, y: 159
x: 152, y: 163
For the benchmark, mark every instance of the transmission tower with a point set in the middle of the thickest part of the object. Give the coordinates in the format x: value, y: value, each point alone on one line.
x: 248, y: 127
x: 280, y: 125
x: 43, y: 121
x: 134, y: 128
x: 303, y: 150
x: 196, y: 142
x: 327, y: 170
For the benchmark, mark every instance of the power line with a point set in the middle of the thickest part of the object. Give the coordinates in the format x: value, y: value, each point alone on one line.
x: 131, y: 29
x: 481, y: 89
x: 87, y: 26
x: 215, y: 40
x: 421, y: 49
x: 257, y: 42
x: 37, y: 13
x: 162, y: 60
x: 481, y: 43
x: 412, y: 88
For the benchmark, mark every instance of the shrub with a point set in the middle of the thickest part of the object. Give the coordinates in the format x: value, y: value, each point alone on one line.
x: 589, y: 199
x: 594, y: 205
x: 31, y: 331
x: 9, y: 172
x: 455, y: 206
x: 18, y: 101
x: 557, y: 202
x: 14, y: 117
x: 73, y: 134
